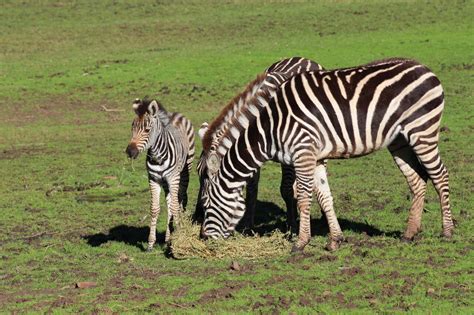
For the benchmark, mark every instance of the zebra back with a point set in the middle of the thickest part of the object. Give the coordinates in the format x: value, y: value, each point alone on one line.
x: 185, y: 127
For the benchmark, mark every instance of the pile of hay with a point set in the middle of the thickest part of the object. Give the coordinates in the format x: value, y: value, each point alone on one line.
x: 185, y: 243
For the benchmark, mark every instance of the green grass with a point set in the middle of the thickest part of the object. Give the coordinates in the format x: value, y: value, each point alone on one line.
x: 73, y: 206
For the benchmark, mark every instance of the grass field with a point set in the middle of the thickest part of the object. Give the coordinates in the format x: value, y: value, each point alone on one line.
x: 73, y: 208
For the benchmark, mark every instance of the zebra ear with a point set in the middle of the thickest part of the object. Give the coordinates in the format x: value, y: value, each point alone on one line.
x: 136, y: 105
x: 213, y: 162
x: 153, y: 108
x: 202, y: 131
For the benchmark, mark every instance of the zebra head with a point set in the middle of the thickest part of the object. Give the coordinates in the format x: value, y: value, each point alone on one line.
x: 144, y: 126
x: 223, y: 205
x: 223, y: 208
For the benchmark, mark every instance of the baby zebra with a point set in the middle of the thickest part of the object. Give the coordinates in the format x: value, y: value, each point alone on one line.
x: 169, y: 139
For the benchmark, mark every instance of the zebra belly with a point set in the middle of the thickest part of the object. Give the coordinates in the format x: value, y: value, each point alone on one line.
x: 343, y: 153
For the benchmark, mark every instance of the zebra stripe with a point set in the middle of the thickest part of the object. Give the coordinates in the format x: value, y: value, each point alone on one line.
x: 343, y: 113
x: 211, y: 134
x: 169, y: 141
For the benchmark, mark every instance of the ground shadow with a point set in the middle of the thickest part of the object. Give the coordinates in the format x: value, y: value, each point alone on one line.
x: 319, y: 226
x: 130, y: 235
x: 270, y: 217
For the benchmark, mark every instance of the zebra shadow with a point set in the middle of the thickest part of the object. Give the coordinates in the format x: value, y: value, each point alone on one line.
x: 130, y: 235
x: 270, y: 217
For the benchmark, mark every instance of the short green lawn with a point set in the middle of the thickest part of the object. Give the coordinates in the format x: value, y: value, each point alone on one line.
x: 74, y: 209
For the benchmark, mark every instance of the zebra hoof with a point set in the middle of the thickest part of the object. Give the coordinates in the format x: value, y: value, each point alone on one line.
x: 332, y: 245
x: 407, y: 239
x: 447, y: 235
x: 296, y: 250
x: 149, y: 249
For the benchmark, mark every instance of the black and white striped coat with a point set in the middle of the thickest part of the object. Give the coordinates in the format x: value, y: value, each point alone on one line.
x: 272, y: 78
x: 169, y: 141
x: 343, y: 113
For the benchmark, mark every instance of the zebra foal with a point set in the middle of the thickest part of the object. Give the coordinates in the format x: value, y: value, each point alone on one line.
x: 169, y: 141
x: 343, y: 113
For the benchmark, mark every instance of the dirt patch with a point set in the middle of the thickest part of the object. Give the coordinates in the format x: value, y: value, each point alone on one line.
x: 26, y: 295
x: 33, y: 209
x: 407, y: 286
x: 225, y: 292
x: 279, y: 279
x: 58, y: 109
x: 277, y: 304
x: 326, y: 258
x: 360, y: 252
x: 388, y: 290
x: 439, y: 262
x: 305, y: 301
x: 23, y: 150
x: 391, y: 276
x: 77, y: 187
x: 366, y: 242
x: 181, y: 292
x: 115, y: 289
x: 404, y: 307
x: 242, y: 268
x: 345, y: 197
x: 351, y: 271
x: 297, y: 258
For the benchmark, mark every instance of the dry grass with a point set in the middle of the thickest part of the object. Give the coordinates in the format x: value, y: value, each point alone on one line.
x: 185, y: 244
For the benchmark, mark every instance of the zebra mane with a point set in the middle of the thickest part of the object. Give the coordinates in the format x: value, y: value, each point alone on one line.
x: 230, y: 110
x: 273, y: 78
x: 242, y: 119
x: 280, y: 70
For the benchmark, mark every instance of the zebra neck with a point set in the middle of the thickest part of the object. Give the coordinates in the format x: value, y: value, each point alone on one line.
x: 158, y: 151
x: 239, y: 166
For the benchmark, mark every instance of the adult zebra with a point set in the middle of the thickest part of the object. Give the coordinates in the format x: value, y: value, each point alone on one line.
x: 169, y: 139
x: 343, y: 113
x: 211, y: 134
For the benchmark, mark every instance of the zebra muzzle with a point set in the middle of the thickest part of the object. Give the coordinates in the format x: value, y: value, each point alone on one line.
x: 203, y: 234
x: 132, y: 151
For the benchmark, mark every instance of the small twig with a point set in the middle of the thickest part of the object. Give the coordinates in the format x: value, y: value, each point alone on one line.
x: 177, y: 305
x: 34, y: 236
x: 111, y: 109
x: 38, y: 235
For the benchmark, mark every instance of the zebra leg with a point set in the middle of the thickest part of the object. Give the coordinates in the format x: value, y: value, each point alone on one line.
x: 198, y: 215
x: 304, y: 193
x: 173, y: 206
x: 155, y: 189
x: 183, y: 188
x: 428, y: 154
x: 417, y: 178
x: 288, y: 194
x: 305, y: 165
x: 325, y: 200
x: 251, y: 200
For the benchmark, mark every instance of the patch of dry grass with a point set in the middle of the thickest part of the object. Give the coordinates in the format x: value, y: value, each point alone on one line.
x: 185, y: 244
